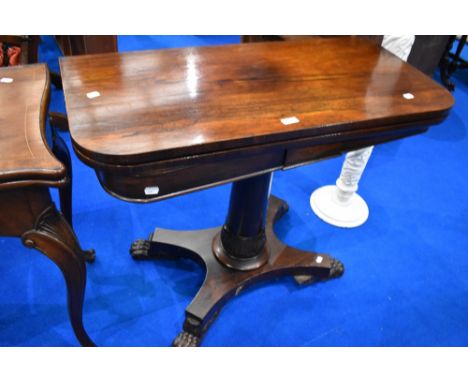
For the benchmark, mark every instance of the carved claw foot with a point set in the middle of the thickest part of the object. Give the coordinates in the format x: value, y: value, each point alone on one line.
x: 90, y: 255
x: 336, y: 269
x: 185, y: 339
x: 140, y: 249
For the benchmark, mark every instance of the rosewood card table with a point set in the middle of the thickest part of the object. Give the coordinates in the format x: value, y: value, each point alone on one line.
x: 157, y: 124
x: 28, y: 167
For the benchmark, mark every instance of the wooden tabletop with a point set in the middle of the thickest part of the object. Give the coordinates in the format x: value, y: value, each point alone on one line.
x: 137, y: 107
x: 25, y: 156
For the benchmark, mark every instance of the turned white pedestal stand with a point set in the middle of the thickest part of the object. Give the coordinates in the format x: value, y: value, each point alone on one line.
x: 340, y: 205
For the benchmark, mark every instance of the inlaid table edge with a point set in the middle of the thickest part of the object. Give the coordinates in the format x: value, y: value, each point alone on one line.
x: 51, y: 176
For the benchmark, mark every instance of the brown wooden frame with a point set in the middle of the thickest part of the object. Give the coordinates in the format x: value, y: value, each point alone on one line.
x: 27, y: 210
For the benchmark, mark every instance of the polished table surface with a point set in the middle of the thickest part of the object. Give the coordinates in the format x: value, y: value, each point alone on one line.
x: 25, y: 155
x: 168, y: 103
x: 156, y: 124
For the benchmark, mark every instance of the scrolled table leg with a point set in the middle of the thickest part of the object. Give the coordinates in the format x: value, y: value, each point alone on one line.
x: 54, y: 237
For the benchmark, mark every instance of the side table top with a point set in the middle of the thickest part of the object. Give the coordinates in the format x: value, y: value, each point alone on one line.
x: 138, y: 107
x: 25, y: 155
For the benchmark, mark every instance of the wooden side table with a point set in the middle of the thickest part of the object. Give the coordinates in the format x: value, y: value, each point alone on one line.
x: 28, y: 167
x: 157, y: 124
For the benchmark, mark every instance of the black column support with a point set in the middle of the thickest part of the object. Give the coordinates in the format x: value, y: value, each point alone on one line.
x: 241, y: 243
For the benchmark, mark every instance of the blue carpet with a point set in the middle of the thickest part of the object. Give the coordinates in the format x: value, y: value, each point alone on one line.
x: 406, y: 279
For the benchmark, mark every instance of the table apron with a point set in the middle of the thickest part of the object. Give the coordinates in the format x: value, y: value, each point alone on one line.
x: 164, y: 179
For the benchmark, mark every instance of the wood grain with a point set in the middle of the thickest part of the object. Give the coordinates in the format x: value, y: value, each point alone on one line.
x: 157, y: 105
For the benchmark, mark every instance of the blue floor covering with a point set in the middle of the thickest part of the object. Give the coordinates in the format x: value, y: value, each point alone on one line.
x: 406, y: 279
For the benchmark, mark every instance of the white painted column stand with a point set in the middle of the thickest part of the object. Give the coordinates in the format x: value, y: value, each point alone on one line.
x: 340, y: 205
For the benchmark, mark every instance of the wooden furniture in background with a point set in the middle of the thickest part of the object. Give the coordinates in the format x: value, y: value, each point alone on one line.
x: 27, y: 44
x: 452, y: 61
x: 27, y: 169
x: 157, y: 124
x: 427, y: 51
x: 85, y: 44
x: 264, y: 38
